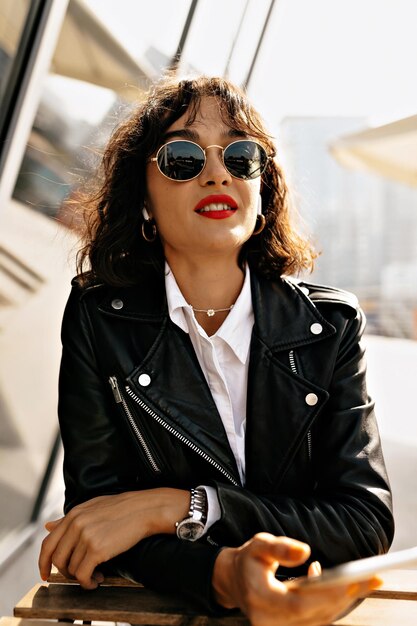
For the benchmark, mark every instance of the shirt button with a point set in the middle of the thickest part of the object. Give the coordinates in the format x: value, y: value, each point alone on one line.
x: 144, y: 380
x: 316, y: 328
x: 311, y: 399
x: 117, y: 304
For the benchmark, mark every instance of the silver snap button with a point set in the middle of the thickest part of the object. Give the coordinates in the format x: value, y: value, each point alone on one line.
x: 311, y: 399
x: 316, y: 328
x: 117, y: 304
x: 144, y: 380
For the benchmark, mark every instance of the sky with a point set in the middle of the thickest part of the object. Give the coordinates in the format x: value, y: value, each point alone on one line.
x: 338, y: 57
x: 319, y: 57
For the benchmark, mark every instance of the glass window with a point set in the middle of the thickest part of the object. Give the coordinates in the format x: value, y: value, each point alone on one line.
x: 13, y: 15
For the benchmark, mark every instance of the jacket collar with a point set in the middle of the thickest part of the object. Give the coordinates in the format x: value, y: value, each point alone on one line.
x: 285, y: 317
x: 144, y: 302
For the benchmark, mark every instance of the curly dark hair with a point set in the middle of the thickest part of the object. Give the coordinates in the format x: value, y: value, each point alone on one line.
x: 114, y: 251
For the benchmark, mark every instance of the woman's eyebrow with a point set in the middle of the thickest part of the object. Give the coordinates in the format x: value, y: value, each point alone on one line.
x: 192, y: 135
x: 235, y: 132
x: 186, y: 133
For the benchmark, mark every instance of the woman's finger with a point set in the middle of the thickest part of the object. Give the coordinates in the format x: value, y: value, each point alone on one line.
x: 75, y: 537
x: 51, y: 524
x: 363, y: 588
x: 48, y: 547
x: 85, y: 573
x: 76, y: 558
x: 314, y: 569
x: 286, y: 551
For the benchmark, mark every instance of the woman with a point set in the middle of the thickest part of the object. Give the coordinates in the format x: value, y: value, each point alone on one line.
x: 191, y: 362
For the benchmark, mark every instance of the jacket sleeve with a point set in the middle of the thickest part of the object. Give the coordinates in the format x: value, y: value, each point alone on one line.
x: 348, y: 513
x: 94, y: 445
x: 88, y: 426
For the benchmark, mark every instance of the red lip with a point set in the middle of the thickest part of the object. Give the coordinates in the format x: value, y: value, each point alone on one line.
x: 217, y: 215
x: 217, y: 198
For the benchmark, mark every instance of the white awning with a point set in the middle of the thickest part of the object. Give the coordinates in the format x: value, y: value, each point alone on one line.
x: 86, y: 49
x: 390, y: 150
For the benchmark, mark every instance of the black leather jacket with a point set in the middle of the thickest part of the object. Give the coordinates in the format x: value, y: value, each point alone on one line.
x: 135, y: 412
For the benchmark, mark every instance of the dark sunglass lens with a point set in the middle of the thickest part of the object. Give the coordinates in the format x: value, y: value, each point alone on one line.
x: 245, y: 159
x: 181, y: 160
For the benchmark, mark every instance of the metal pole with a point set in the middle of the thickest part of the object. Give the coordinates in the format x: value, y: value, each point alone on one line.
x: 258, y: 47
x: 46, y: 478
x: 177, y: 56
x: 232, y: 49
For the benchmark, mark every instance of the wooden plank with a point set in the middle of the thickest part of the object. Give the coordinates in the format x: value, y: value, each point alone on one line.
x: 116, y: 604
x: 380, y: 612
x: 398, y: 584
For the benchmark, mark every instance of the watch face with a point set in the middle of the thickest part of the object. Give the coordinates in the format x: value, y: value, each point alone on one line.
x: 190, y: 530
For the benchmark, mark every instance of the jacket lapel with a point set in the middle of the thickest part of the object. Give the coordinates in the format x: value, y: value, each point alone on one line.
x: 176, y: 388
x: 278, y: 411
x: 179, y: 393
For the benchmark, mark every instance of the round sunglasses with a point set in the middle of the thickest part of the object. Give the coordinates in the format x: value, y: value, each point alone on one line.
x: 183, y: 160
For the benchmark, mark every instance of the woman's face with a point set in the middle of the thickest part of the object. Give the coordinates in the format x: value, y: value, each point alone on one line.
x: 185, y: 212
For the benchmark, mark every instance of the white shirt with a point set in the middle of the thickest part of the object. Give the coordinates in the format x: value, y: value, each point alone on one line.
x: 224, y: 360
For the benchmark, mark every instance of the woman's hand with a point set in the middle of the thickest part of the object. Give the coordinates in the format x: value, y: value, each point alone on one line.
x: 244, y: 577
x: 101, y: 528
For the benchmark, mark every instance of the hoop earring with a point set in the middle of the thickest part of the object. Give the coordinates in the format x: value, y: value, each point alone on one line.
x: 148, y: 222
x: 260, y: 221
x: 152, y: 225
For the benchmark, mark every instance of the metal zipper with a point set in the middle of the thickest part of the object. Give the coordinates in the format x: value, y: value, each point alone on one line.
x: 292, y: 362
x: 294, y: 370
x: 179, y: 436
x: 211, y: 541
x: 309, y: 445
x: 120, y: 400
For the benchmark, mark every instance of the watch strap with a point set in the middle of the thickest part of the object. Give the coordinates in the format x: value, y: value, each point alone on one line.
x: 193, y: 525
x: 198, y: 505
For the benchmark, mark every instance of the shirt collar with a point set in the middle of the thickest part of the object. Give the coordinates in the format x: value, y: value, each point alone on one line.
x: 176, y: 301
x: 236, y: 330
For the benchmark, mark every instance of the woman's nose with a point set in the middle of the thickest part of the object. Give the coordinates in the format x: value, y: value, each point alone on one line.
x: 214, y: 172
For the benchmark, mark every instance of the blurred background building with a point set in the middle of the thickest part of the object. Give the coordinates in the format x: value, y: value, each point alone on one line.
x: 364, y: 225
x: 335, y: 83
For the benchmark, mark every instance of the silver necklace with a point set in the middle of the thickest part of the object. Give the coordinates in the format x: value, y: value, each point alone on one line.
x: 211, y: 312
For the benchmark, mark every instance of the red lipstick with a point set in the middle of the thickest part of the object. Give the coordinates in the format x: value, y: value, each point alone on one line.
x: 216, y: 206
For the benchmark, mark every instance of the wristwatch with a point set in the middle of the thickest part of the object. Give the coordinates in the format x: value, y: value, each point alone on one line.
x: 191, y: 527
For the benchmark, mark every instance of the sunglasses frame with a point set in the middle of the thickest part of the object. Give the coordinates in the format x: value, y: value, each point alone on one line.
x: 186, y: 180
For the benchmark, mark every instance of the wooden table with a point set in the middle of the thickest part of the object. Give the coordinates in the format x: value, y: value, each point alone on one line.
x: 116, y: 600
x: 382, y: 612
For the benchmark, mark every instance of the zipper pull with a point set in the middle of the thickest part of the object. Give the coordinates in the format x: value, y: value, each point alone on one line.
x: 115, y: 388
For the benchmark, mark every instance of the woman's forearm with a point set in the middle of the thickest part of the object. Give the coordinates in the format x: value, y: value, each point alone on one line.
x: 104, y: 527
